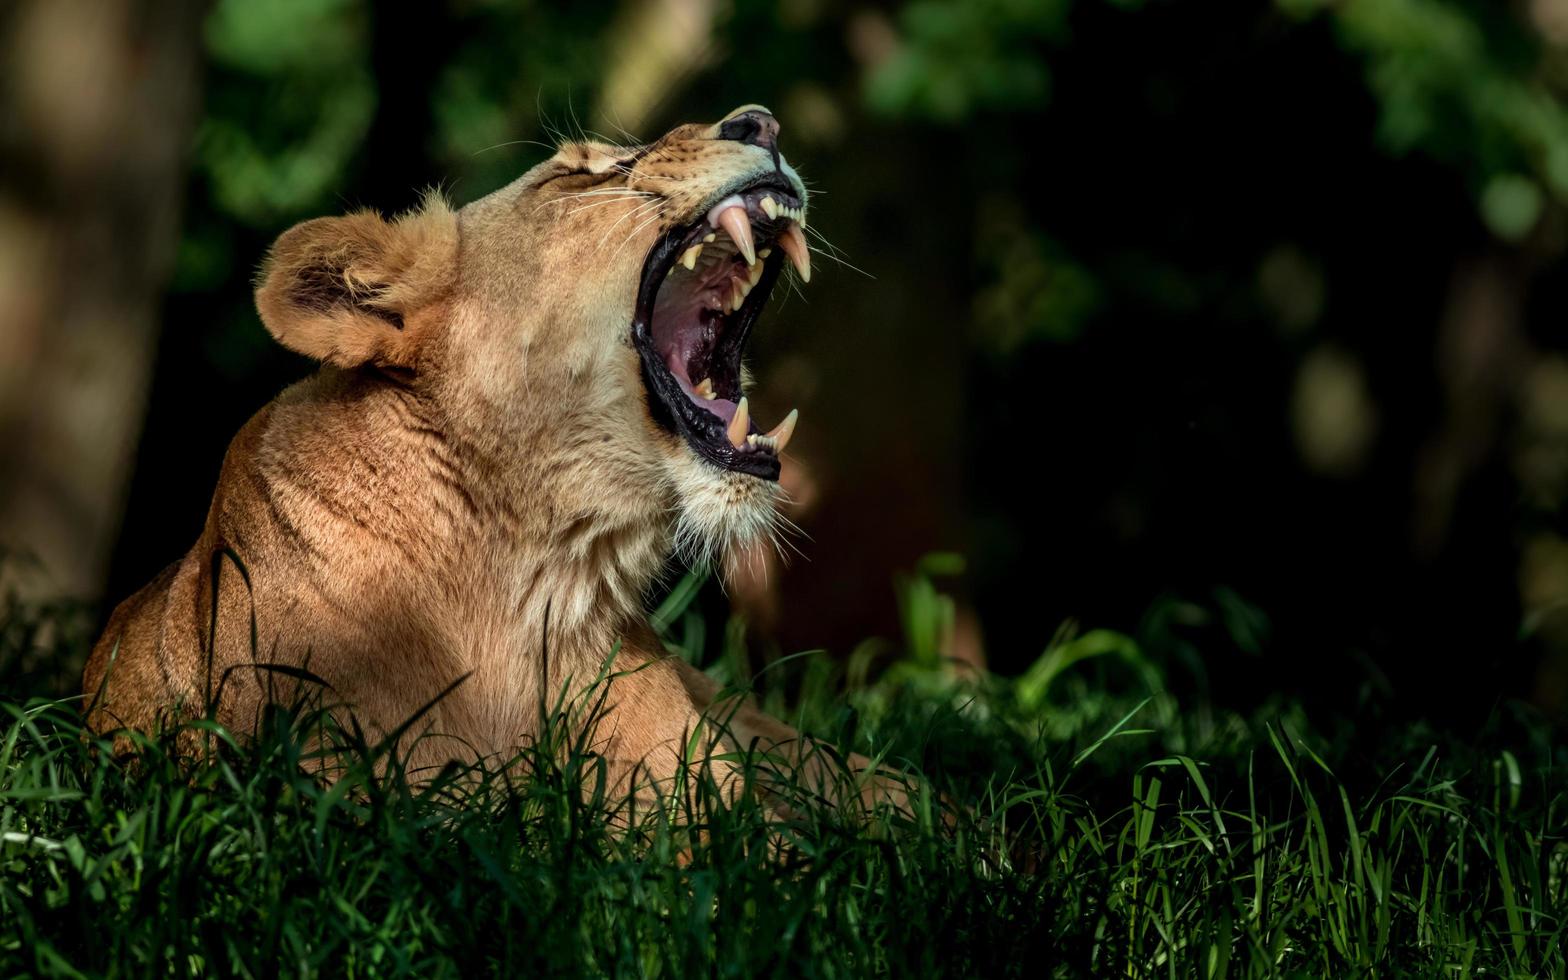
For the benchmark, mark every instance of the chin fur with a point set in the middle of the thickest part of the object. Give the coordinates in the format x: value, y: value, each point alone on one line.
x: 719, y: 511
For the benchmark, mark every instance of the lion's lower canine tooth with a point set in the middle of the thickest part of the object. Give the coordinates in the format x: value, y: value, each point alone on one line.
x: 689, y: 257
x: 781, y: 434
x: 734, y: 221
x: 793, y: 242
x: 754, y: 272
x: 739, y: 424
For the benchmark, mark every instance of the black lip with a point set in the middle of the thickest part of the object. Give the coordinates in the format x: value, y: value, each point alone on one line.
x: 668, y: 404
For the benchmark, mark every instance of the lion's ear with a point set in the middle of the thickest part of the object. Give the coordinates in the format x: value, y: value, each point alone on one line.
x: 348, y: 290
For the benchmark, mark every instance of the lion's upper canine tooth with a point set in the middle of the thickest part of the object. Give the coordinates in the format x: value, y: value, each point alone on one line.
x: 739, y: 424
x: 734, y: 200
x: 793, y: 242
x: 769, y: 207
x: 689, y: 257
x: 734, y: 220
x: 784, y: 430
x: 754, y: 272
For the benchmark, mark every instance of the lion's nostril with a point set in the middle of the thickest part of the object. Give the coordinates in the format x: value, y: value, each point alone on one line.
x: 754, y: 126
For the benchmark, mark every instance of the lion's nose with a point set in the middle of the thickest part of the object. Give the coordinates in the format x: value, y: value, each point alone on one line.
x: 754, y: 125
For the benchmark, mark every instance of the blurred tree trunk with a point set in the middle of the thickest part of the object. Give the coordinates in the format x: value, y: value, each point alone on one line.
x: 655, y: 48
x: 97, y: 101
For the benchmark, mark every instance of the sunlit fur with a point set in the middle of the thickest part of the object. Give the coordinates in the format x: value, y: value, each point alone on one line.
x: 471, y: 486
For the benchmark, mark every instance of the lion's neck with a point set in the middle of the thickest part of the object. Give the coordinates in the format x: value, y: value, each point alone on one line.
x: 491, y: 539
x: 560, y: 527
x: 560, y: 589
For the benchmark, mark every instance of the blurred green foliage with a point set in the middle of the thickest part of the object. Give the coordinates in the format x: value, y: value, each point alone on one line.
x: 959, y: 57
x: 304, y: 67
x: 293, y: 91
x: 1471, y: 85
x: 1464, y: 81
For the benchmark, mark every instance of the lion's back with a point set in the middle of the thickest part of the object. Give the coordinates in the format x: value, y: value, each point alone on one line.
x: 127, y: 680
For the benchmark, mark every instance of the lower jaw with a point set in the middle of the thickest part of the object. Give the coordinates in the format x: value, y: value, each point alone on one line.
x: 701, y: 431
x: 721, y: 455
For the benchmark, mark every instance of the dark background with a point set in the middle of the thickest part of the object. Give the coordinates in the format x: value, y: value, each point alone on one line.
x: 1233, y: 326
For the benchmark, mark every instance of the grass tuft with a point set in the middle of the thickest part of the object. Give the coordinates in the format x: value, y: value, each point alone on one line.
x: 1079, y: 820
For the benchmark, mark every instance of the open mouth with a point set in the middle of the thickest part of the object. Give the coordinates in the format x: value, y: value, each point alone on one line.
x: 703, y: 286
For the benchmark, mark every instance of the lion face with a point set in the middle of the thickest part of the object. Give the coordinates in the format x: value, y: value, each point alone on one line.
x: 592, y: 316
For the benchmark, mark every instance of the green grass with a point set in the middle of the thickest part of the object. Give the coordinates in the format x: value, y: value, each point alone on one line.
x: 1079, y: 820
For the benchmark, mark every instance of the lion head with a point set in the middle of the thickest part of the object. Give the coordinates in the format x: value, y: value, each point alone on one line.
x: 589, y: 319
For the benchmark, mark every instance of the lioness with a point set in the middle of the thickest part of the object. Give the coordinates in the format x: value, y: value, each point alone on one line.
x: 522, y: 407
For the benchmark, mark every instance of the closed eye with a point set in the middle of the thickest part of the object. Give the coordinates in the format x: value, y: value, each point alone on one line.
x: 586, y: 177
x: 566, y: 172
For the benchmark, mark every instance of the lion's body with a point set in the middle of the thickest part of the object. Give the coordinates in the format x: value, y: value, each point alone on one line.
x: 470, y: 487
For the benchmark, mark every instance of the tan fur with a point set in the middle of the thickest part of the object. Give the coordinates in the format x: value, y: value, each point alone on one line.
x: 328, y: 286
x: 472, y: 476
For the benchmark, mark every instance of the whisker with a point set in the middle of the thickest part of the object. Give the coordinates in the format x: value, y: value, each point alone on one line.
x: 633, y: 212
x: 817, y: 234
x: 637, y: 230
x: 571, y: 110
x: 602, y: 191
x: 498, y: 146
x: 657, y: 214
x: 623, y: 131
x: 792, y: 283
x: 597, y: 204
x: 789, y: 526
x: 550, y: 129
x: 781, y: 542
x: 846, y: 264
x: 610, y: 199
x: 833, y: 253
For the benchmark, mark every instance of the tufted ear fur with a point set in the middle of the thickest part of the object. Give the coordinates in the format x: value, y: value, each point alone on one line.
x: 347, y: 290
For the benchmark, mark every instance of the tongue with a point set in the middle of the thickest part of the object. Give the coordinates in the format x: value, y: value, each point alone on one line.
x: 722, y: 407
